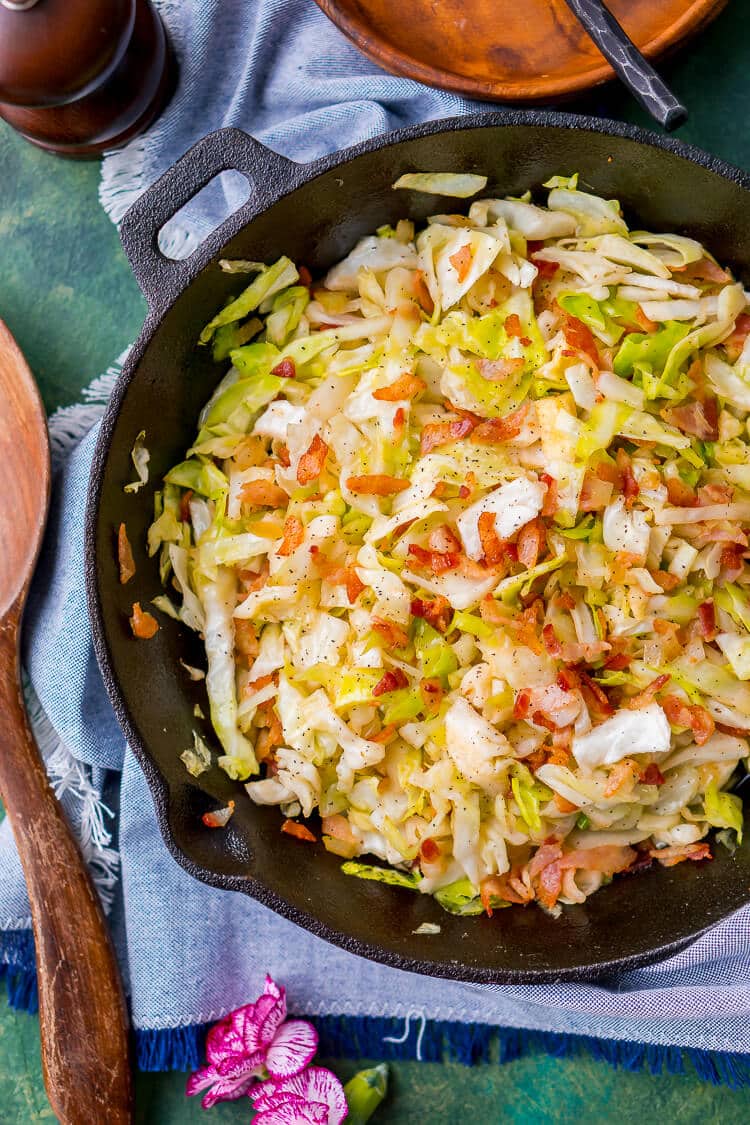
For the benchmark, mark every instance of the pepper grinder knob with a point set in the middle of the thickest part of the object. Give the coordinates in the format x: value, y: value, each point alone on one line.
x: 78, y: 77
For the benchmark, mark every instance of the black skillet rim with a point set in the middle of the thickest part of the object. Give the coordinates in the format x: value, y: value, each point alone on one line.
x: 301, y: 174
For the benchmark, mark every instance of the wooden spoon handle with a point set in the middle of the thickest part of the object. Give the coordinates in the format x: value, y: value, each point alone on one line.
x: 84, y: 1025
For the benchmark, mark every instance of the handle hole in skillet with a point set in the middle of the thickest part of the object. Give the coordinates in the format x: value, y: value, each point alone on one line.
x: 202, y: 214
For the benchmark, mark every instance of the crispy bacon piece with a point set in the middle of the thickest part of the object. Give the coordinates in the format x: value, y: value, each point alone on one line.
x: 497, y: 370
x: 443, y: 538
x: 253, y: 580
x: 507, y: 888
x: 266, y: 742
x: 256, y: 685
x: 394, y: 635
x: 461, y: 262
x: 701, y: 419
x: 645, y: 697
x: 644, y: 323
x: 143, y: 624
x: 546, y: 269
x: 339, y: 827
x: 594, y: 694
x: 680, y: 494
x: 550, y: 500
x: 731, y: 561
x: 305, y: 277
x: 595, y: 493
x: 496, y: 430
x: 715, y: 494
x: 513, y: 327
x: 707, y: 620
x: 263, y: 494
x: 429, y: 849
x: 702, y: 270
x: 531, y: 539
x: 608, y: 858
x: 666, y: 580
x: 621, y: 775
x: 550, y: 640
x: 689, y: 715
x: 340, y: 576
x: 652, y: 775
x: 437, y: 612
x: 245, y: 637
x: 299, y: 831
x: 522, y: 703
x: 629, y: 483
x: 285, y: 369
x: 218, y: 818
x: 668, y: 857
x: 549, y: 885
x: 561, y: 747
x: 580, y: 338
x: 618, y: 662
x: 294, y: 534
x: 422, y: 293
x: 385, y: 735
x: 282, y: 454
x: 406, y: 387
x: 185, y: 499
x: 435, y: 434
x: 735, y: 343
x: 125, y: 558
x: 310, y: 464
x: 492, y: 544
x: 435, y: 561
x: 354, y: 585
x: 563, y: 805
x: 376, y: 484
x: 393, y: 679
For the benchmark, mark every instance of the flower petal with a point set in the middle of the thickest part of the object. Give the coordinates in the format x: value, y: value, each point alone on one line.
x: 316, y: 1084
x: 227, y: 1090
x: 270, y: 1013
x: 238, y: 1065
x: 288, y: 1113
x: 269, y: 1100
x: 227, y: 1038
x: 292, y: 1049
x: 200, y: 1080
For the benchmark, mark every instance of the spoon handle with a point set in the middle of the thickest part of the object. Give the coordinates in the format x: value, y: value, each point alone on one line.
x: 633, y: 70
x: 84, y: 1028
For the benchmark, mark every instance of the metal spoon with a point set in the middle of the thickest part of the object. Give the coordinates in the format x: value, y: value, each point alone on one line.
x: 633, y: 70
x: 84, y: 1029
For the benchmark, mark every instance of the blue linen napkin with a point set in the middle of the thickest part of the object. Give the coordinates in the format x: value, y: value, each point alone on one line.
x: 284, y: 73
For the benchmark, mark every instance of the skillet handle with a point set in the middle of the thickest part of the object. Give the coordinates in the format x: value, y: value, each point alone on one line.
x: 162, y: 279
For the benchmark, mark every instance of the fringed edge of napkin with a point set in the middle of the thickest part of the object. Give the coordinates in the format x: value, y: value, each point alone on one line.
x: 415, y: 1038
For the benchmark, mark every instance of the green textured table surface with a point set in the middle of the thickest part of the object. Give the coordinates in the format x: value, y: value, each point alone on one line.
x: 67, y: 294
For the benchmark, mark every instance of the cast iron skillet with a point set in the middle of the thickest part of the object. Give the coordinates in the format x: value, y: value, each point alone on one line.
x: 315, y: 213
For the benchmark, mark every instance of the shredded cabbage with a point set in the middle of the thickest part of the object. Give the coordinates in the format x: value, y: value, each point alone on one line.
x: 461, y: 185
x: 464, y: 530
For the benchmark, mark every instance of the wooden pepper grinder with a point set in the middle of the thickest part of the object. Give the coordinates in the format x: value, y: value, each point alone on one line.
x: 81, y: 76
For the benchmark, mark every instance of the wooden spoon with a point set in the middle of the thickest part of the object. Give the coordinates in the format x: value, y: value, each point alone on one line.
x: 84, y: 1027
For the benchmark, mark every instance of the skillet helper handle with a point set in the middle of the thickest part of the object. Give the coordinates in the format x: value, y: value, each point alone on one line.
x: 633, y: 70
x: 83, y: 1017
x: 161, y: 279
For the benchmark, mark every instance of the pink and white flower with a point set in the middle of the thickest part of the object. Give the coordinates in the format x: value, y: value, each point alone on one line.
x: 313, y: 1097
x: 252, y: 1043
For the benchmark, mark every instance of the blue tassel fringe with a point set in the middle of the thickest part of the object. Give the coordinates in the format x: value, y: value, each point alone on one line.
x: 370, y: 1037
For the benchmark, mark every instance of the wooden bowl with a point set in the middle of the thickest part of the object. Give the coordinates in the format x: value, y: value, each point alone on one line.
x: 501, y: 50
